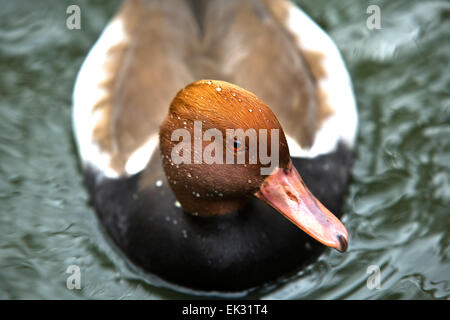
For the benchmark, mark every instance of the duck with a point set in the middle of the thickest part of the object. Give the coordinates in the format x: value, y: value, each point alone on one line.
x: 171, y: 109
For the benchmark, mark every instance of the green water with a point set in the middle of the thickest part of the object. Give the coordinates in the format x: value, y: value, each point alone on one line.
x: 397, y: 210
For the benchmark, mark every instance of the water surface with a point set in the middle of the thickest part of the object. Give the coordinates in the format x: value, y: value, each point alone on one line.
x: 397, y: 210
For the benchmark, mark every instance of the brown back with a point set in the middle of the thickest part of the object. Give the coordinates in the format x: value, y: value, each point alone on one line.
x: 175, y: 42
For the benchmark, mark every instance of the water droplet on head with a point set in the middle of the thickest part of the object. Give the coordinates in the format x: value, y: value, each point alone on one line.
x: 197, y: 195
x: 250, y: 110
x: 249, y: 181
x: 177, y: 204
x: 189, y: 175
x: 218, y: 89
x: 158, y: 183
x: 209, y: 82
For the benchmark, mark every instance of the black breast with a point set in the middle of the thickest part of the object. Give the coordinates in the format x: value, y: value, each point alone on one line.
x: 224, y: 253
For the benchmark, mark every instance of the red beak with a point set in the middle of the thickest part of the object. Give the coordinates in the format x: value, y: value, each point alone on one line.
x: 285, y: 191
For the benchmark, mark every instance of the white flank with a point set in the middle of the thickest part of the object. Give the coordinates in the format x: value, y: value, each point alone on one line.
x: 342, y: 125
x: 89, y: 91
x: 140, y: 157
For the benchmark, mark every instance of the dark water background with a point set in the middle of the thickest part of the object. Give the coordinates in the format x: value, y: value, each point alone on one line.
x: 398, y: 206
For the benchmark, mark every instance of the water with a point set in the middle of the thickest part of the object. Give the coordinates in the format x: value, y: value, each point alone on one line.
x: 397, y: 210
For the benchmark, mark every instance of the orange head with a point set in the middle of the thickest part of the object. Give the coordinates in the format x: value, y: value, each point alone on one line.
x: 221, y: 144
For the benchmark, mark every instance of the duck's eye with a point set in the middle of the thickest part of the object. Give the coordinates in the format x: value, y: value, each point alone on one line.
x: 236, y: 146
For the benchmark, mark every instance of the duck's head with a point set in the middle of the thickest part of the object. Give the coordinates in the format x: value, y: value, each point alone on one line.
x: 221, y: 144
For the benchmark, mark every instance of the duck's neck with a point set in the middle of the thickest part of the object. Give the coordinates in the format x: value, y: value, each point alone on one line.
x: 201, y: 203
x: 210, y: 204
